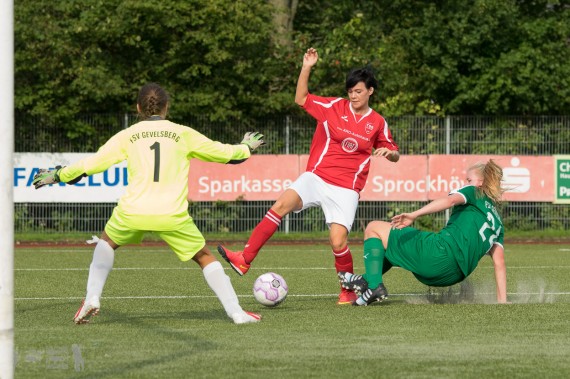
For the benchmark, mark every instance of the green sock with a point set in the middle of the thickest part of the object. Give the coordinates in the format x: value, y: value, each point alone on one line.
x: 373, y: 259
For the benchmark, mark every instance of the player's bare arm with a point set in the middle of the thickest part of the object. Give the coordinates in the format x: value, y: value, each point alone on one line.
x: 406, y: 219
x: 391, y: 155
x: 309, y: 60
x: 497, y: 253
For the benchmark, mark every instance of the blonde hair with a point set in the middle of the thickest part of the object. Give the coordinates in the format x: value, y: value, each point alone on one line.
x: 492, y: 175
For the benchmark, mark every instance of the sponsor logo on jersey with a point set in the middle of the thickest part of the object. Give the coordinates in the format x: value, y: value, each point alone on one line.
x: 349, y: 145
x: 368, y: 128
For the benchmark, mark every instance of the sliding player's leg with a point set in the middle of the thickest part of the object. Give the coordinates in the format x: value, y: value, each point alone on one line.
x: 375, y: 242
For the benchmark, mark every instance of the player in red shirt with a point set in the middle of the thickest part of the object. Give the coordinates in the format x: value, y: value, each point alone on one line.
x: 348, y: 134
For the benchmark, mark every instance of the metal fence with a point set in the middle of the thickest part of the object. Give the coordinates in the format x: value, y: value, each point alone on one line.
x: 236, y: 217
x: 538, y: 135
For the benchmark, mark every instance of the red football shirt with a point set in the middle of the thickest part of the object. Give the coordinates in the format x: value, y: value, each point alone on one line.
x: 342, y: 145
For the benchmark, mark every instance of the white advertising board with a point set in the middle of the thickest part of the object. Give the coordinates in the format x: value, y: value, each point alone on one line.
x: 105, y: 187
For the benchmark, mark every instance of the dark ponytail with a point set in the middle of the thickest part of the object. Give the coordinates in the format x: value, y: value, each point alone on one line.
x: 152, y: 100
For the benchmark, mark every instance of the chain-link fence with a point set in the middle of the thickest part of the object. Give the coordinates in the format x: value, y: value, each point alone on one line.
x: 242, y: 216
x: 539, y: 135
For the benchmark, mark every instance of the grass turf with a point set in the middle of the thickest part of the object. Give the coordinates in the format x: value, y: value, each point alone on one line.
x: 160, y: 320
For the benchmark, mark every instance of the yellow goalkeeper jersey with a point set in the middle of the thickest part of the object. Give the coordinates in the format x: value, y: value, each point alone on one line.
x: 158, y: 154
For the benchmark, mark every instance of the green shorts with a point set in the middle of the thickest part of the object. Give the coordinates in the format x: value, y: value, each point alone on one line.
x: 424, y: 254
x: 185, y: 240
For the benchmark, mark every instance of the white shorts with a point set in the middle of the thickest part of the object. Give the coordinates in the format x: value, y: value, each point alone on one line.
x: 338, y: 204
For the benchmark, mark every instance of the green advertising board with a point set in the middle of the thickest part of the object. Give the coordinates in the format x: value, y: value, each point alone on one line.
x: 562, y: 179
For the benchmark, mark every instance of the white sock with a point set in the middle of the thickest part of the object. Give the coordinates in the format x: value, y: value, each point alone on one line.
x: 101, y: 266
x: 220, y: 283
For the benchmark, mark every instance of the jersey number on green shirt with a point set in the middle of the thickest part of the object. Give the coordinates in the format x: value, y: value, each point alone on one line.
x: 494, y: 233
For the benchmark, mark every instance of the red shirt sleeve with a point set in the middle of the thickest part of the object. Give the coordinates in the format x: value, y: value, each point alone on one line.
x: 385, y: 138
x: 318, y: 106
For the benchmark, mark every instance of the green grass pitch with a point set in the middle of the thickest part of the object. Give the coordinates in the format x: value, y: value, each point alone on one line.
x: 160, y: 320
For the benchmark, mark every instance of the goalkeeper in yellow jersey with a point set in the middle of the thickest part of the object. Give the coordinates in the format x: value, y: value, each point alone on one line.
x: 158, y: 154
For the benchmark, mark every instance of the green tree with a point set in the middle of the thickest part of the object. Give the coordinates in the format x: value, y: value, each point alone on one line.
x: 446, y: 57
x: 92, y: 56
x: 240, y: 59
x: 344, y: 34
x: 481, y: 57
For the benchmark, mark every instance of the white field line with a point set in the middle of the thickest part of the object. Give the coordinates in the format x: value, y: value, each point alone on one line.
x: 253, y: 268
x: 290, y: 295
x: 166, y: 249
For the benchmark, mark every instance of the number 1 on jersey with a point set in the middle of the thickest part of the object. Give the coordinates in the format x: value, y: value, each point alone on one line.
x: 156, y: 147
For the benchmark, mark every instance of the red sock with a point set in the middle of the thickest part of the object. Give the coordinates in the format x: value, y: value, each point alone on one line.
x: 262, y: 232
x: 343, y: 260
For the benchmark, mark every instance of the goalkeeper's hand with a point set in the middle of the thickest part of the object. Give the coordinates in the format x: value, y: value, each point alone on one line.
x: 45, y: 177
x: 253, y: 140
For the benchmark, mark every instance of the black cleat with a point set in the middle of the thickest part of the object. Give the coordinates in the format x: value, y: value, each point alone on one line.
x: 371, y: 296
x: 353, y: 282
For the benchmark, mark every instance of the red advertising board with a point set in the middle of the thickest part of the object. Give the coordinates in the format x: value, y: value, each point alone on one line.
x: 527, y: 178
x: 404, y: 180
x: 261, y: 177
x: 413, y: 178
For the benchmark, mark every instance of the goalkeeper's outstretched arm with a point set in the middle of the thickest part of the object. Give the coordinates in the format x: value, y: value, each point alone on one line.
x: 207, y: 150
x: 252, y: 140
x: 46, y: 177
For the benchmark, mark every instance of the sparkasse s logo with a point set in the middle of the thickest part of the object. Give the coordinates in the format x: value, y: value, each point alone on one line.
x: 349, y: 145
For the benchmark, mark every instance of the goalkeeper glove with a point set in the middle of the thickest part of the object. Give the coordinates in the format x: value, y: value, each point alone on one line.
x: 45, y: 177
x: 253, y: 140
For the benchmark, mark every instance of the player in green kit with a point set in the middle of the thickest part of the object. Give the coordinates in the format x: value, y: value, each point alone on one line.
x: 443, y: 258
x: 158, y: 154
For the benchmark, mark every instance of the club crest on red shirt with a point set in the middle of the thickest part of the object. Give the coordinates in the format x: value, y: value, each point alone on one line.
x: 349, y: 145
x: 368, y: 128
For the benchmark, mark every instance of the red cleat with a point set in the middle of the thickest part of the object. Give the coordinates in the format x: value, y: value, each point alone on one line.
x: 346, y: 297
x: 235, y: 259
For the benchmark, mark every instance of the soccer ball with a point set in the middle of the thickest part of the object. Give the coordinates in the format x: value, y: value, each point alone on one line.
x: 270, y: 289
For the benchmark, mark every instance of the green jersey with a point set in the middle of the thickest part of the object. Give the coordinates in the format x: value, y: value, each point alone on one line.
x: 474, y: 227
x: 158, y: 154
